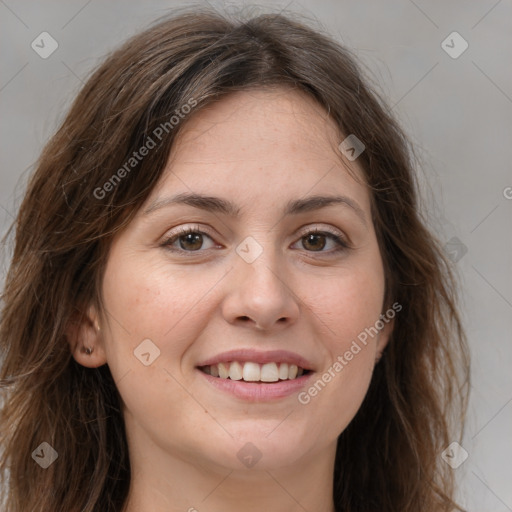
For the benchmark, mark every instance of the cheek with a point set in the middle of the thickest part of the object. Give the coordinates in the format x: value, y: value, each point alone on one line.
x: 347, y: 304
x: 149, y: 301
x: 170, y: 308
x: 347, y: 309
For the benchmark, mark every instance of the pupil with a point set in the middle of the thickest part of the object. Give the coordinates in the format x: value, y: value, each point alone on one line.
x: 314, y: 237
x: 191, y: 238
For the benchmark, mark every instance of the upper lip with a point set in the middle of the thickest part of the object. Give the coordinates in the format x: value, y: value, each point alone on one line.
x: 261, y: 357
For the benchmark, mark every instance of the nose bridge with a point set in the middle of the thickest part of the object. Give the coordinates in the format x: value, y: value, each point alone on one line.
x: 261, y: 292
x: 259, y: 265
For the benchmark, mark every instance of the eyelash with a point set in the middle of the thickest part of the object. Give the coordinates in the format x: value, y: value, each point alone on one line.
x: 339, y: 240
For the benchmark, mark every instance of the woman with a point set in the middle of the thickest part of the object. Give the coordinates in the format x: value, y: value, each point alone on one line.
x: 222, y: 293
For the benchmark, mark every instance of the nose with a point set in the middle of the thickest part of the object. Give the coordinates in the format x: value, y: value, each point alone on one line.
x: 260, y: 295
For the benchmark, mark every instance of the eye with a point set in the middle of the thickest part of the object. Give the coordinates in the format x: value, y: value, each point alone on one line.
x: 317, y: 240
x: 189, y: 239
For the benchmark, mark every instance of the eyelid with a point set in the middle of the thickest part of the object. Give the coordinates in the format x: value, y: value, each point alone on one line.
x: 185, y: 229
x: 322, y: 229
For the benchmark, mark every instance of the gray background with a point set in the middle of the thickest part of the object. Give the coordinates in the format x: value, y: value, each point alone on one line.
x: 458, y: 112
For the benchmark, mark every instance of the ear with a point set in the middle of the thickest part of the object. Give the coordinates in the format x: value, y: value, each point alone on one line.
x: 85, y: 338
x: 383, y: 338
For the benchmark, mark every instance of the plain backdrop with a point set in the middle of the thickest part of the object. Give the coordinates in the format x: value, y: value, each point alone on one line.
x: 457, y: 110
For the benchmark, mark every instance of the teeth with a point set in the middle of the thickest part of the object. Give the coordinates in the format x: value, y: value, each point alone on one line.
x: 269, y: 372
x: 223, y: 370
x: 254, y: 372
x: 251, y: 372
x: 235, y: 371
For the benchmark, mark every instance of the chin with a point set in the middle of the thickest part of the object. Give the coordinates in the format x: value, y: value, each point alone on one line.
x: 258, y: 448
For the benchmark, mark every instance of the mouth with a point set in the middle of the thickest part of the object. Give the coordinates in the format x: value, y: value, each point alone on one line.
x: 257, y: 376
x: 249, y: 371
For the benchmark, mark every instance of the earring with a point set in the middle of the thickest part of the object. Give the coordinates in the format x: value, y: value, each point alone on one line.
x: 89, y: 350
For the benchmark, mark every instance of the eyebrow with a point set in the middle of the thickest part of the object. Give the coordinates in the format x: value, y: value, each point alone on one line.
x: 219, y: 205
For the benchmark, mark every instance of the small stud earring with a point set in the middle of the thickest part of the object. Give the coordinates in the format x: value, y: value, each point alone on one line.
x: 87, y: 350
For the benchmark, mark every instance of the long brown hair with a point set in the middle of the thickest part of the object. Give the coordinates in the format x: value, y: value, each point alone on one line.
x: 388, y: 458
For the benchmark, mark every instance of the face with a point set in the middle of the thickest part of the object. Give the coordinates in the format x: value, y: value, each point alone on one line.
x: 253, y: 284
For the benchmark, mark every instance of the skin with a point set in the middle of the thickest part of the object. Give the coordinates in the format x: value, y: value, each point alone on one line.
x: 258, y: 149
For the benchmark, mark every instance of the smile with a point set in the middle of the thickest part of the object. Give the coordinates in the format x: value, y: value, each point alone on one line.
x: 249, y: 371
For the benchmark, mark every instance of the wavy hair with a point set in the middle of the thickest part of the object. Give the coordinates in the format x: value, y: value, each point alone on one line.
x: 388, y: 458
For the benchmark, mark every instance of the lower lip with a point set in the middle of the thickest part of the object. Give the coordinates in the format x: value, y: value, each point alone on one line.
x: 256, y: 392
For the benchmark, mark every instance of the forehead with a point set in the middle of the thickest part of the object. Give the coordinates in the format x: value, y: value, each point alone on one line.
x: 254, y: 119
x: 265, y: 141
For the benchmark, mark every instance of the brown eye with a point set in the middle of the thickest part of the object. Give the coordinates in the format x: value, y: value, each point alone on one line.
x: 191, y: 241
x: 324, y: 242
x: 314, y: 241
x: 188, y: 240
